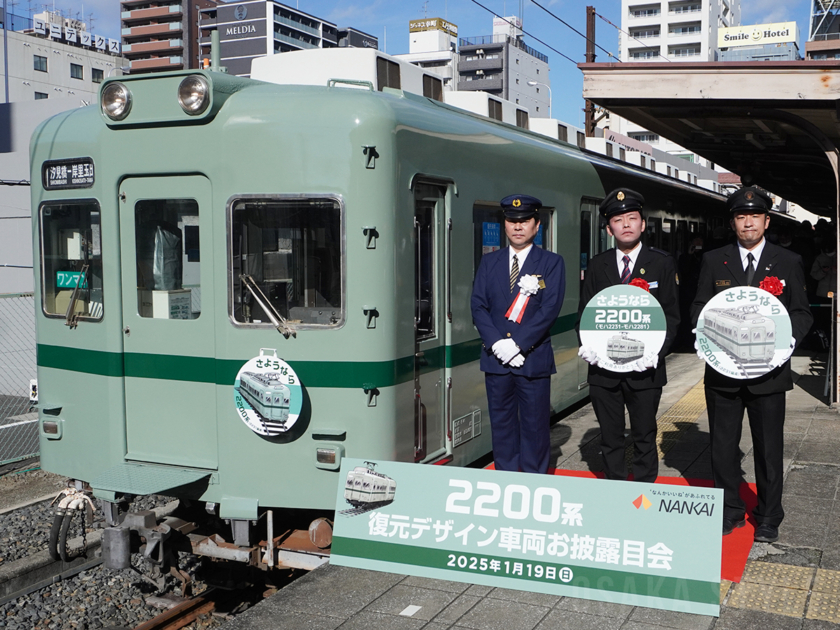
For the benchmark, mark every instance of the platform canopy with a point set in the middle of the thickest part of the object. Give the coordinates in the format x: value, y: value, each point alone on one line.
x: 776, y: 122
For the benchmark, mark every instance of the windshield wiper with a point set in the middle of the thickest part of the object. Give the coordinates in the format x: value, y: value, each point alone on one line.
x: 71, y: 318
x: 276, y: 318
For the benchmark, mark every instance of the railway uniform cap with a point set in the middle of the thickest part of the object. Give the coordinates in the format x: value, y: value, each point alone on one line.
x: 749, y: 198
x: 519, y: 207
x: 621, y: 200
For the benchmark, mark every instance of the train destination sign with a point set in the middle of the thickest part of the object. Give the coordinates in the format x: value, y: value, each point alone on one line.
x: 744, y: 332
x: 623, y: 324
x: 62, y: 174
x: 267, y: 394
x: 611, y: 541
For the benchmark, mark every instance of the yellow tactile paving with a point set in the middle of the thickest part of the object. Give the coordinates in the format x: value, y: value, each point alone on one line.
x: 725, y: 585
x: 827, y: 582
x: 824, y: 607
x: 773, y: 599
x: 779, y: 575
x: 674, y: 421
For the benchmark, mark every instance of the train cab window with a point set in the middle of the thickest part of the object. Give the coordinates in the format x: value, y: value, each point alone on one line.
x: 286, y: 262
x: 71, y: 258
x: 168, y: 258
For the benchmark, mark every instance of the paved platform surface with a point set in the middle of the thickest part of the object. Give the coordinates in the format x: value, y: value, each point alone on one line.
x: 788, y: 585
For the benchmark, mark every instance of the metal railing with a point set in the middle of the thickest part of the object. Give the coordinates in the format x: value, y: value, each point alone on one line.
x: 18, y: 421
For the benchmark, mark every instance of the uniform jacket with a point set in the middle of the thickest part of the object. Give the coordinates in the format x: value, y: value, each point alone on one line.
x: 659, y: 267
x: 722, y: 269
x: 492, y: 297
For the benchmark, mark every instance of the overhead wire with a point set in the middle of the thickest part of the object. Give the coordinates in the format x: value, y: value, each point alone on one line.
x: 524, y: 31
x: 618, y: 28
x: 564, y: 23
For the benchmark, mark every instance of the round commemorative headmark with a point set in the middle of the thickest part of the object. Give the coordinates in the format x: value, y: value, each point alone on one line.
x: 623, y: 324
x: 267, y: 394
x: 744, y: 332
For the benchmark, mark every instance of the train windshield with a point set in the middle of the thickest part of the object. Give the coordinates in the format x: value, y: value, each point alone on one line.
x: 291, y: 251
x: 71, y: 257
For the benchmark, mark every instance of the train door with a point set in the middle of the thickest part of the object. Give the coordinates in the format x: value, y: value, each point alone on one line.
x: 591, y: 244
x: 168, y: 328
x: 430, y: 390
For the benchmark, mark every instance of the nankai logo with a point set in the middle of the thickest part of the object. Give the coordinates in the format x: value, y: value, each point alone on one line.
x: 642, y: 501
x: 697, y: 508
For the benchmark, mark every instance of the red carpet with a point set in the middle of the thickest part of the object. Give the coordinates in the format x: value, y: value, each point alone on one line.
x: 736, y: 546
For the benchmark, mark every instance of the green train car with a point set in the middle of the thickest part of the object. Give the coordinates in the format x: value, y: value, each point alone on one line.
x: 198, y: 226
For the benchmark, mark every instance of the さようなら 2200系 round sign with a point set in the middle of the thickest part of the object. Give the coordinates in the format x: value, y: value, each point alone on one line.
x: 622, y: 324
x: 267, y: 394
x: 744, y: 332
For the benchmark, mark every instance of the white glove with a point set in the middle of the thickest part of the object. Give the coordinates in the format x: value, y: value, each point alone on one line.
x: 650, y: 361
x: 700, y: 354
x: 780, y: 356
x: 517, y: 362
x: 588, y: 354
x: 505, y: 350
x: 638, y: 365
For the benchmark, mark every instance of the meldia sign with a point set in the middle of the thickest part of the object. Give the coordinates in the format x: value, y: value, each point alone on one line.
x: 759, y: 34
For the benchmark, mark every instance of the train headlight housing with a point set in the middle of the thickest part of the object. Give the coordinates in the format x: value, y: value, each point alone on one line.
x: 194, y: 94
x: 328, y: 456
x: 116, y: 100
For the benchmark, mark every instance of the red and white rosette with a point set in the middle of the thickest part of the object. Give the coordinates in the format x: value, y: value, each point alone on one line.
x: 528, y: 286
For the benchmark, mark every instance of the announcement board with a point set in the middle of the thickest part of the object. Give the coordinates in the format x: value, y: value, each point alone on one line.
x: 632, y: 543
x: 744, y: 332
x: 623, y: 324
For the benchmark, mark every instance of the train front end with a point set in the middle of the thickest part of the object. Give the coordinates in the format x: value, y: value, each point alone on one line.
x: 196, y: 335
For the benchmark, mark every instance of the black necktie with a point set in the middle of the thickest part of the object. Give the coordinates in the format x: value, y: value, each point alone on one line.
x: 750, y: 268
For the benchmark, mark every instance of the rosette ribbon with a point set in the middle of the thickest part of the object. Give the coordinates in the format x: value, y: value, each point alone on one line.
x: 528, y: 286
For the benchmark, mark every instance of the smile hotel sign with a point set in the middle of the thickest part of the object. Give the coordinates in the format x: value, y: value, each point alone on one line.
x: 758, y: 35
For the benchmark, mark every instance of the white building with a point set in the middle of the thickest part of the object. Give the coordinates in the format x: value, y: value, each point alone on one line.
x: 432, y: 46
x: 55, y: 61
x: 670, y: 30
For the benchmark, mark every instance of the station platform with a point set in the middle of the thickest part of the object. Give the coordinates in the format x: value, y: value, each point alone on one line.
x: 791, y: 584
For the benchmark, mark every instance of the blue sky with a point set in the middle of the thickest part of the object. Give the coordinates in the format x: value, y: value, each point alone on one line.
x: 388, y: 20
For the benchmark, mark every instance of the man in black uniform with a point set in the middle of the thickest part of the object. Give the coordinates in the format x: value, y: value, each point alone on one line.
x: 640, y: 390
x: 747, y: 263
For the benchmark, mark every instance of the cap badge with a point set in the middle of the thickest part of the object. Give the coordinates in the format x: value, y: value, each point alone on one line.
x: 516, y: 203
x: 620, y: 196
x: 749, y: 195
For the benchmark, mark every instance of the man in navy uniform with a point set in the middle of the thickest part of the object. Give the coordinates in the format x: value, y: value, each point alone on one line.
x: 516, y: 355
x: 641, y: 389
x: 747, y: 263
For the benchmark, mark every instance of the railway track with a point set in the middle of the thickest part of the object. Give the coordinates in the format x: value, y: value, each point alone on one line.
x: 186, y: 612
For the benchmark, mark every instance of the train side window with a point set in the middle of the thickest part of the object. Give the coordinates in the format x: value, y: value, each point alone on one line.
x: 287, y: 260
x: 653, y: 232
x: 489, y: 231
x: 168, y: 255
x: 71, y: 256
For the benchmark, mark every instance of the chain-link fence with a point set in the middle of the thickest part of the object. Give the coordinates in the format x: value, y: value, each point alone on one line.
x: 18, y: 422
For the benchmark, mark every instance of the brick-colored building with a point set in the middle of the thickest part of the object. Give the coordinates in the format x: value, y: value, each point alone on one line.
x: 161, y: 35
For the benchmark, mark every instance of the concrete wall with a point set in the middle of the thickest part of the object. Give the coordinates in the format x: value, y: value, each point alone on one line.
x: 17, y: 122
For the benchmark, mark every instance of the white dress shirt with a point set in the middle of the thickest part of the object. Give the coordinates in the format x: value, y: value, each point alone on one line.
x: 619, y: 257
x: 756, y: 252
x: 520, y: 257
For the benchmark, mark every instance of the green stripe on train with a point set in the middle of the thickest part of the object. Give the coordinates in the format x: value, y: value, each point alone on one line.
x: 596, y: 578
x: 342, y: 374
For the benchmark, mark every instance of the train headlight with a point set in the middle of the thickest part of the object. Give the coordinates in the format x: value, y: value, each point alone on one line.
x: 328, y: 456
x: 116, y: 101
x: 194, y: 94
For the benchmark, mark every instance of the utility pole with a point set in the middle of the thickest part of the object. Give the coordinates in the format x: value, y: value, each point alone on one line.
x: 589, y: 109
